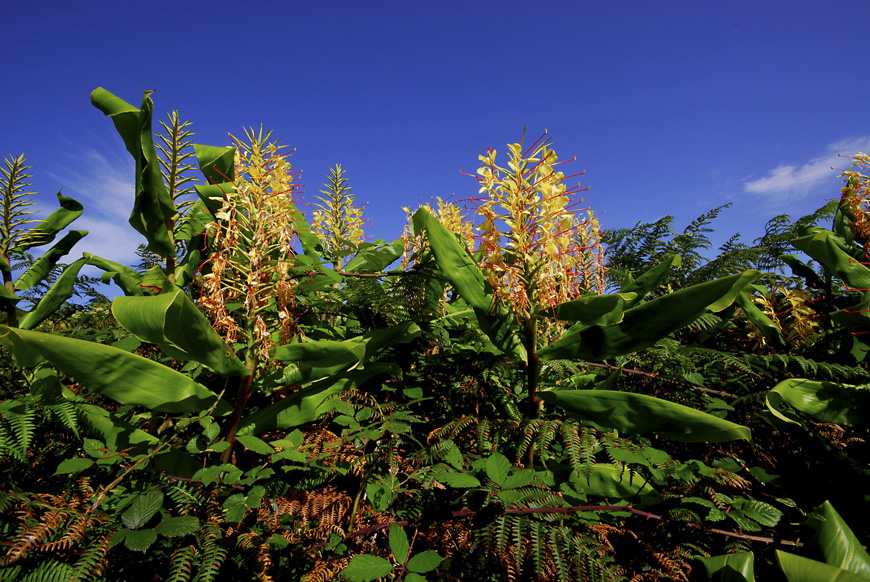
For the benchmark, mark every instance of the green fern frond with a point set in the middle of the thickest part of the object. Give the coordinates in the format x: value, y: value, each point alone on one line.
x: 181, y: 564
x: 92, y: 562
x: 49, y: 571
x: 22, y: 420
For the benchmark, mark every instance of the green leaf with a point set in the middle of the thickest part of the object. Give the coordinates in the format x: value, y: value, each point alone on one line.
x: 365, y: 567
x: 424, y: 562
x: 54, y: 297
x: 593, y: 309
x: 216, y: 163
x: 799, y: 569
x: 376, y: 259
x: 124, y: 277
x: 171, y: 321
x: 826, y: 401
x: 153, y: 208
x: 615, y: 483
x: 638, y: 414
x: 139, y: 540
x: 762, y: 322
x: 519, y: 479
x: 736, y: 567
x: 73, y: 466
x: 644, y: 325
x: 178, y: 526
x: 838, y: 544
x: 116, y: 374
x: 42, y: 267
x: 830, y: 250
x: 399, y: 543
x: 44, y: 232
x: 459, y: 480
x: 412, y: 577
x: 235, y: 508
x: 143, y: 508
x: 252, y: 443
x: 497, y: 467
x: 648, y: 282
x: 320, y: 359
x: 458, y: 267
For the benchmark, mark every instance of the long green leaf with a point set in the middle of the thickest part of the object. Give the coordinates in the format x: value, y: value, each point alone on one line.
x: 831, y: 251
x: 800, y: 569
x: 305, y: 405
x: 736, y: 567
x: 171, y: 321
x: 838, y: 544
x: 216, y: 163
x: 594, y: 309
x: 762, y: 322
x: 54, y: 297
x: 111, y: 372
x: 458, y: 267
x: 124, y: 277
x: 826, y: 401
x: 647, y: 282
x: 644, y: 325
x: 616, y: 483
x: 44, y: 232
x: 153, y: 208
x: 639, y: 413
x: 41, y: 268
x: 377, y: 258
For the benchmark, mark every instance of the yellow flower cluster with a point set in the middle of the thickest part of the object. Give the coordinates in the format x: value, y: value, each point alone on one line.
x: 856, y: 198
x: 451, y: 217
x: 538, y: 248
x: 253, y: 240
x: 337, y: 222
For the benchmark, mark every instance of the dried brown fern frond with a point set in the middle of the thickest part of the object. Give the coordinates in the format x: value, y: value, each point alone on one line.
x: 325, y: 571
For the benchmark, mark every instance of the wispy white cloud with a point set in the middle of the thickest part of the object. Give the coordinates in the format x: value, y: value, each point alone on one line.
x: 794, y: 182
x: 104, y: 185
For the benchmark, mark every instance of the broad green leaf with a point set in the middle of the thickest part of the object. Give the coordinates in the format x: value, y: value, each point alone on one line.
x: 412, y: 577
x: 826, y: 401
x: 365, y: 567
x: 44, y: 232
x: 171, y: 321
x: 216, y: 163
x: 638, y: 414
x: 520, y: 478
x: 320, y: 359
x: 178, y: 526
x: 376, y: 259
x: 831, y: 251
x: 54, y: 297
x: 153, y: 208
x: 645, y: 324
x: 800, y: 569
x: 235, y: 508
x: 424, y: 562
x: 213, y: 196
x: 616, y: 483
x: 311, y: 244
x: 139, y: 540
x: 838, y: 544
x: 497, y: 467
x: 593, y: 309
x: 647, y: 283
x: 41, y: 268
x: 76, y: 465
x: 762, y: 322
x: 801, y: 269
x: 256, y: 445
x: 305, y: 405
x: 124, y: 277
x: 143, y: 508
x: 116, y: 374
x: 736, y: 567
x: 399, y: 543
x: 458, y: 267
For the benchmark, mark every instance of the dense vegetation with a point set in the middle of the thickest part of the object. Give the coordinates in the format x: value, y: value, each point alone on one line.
x: 506, y: 392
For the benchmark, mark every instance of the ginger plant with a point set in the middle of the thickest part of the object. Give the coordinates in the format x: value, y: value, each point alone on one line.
x: 337, y: 222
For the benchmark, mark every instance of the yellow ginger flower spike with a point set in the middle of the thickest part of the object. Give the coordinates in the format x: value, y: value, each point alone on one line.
x: 337, y: 222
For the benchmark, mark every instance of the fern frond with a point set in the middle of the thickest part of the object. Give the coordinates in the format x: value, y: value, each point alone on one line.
x: 181, y: 564
x: 92, y: 563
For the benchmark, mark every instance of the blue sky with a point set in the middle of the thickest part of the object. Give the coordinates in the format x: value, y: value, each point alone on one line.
x: 670, y: 107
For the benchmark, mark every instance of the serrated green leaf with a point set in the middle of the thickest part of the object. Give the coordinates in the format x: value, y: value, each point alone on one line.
x: 143, y: 508
x: 519, y: 479
x: 497, y: 467
x: 460, y: 480
x: 412, y: 577
x: 73, y: 466
x: 235, y: 508
x: 365, y: 567
x: 399, y: 543
x: 424, y: 562
x: 140, y: 540
x: 178, y: 526
x: 255, y: 444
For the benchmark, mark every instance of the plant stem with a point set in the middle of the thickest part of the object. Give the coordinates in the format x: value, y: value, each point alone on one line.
x: 241, y: 400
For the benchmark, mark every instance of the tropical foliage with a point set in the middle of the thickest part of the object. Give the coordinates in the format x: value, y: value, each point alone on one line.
x: 505, y: 392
